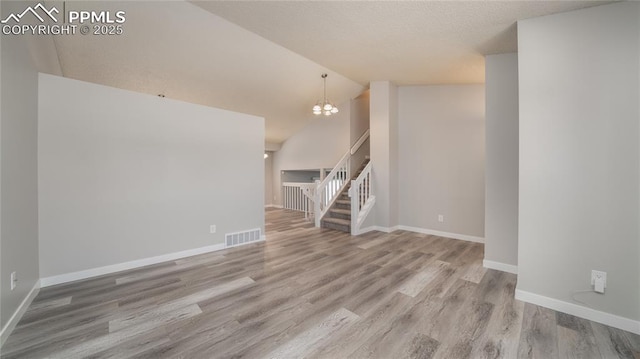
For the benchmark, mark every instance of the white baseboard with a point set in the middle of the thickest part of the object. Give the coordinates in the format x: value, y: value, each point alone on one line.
x: 509, y: 268
x: 382, y: 229
x: 369, y: 229
x: 611, y: 320
x: 272, y: 206
x: 94, y: 272
x: 463, y: 237
x: 17, y: 315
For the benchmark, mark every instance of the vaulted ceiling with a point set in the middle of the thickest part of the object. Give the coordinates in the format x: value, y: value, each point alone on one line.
x: 266, y: 57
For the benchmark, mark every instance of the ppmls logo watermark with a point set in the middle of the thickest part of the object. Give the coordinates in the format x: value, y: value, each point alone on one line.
x: 38, y: 20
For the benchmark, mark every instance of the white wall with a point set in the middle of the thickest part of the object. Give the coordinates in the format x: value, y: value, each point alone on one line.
x: 320, y: 144
x: 384, y: 152
x: 360, y: 109
x: 441, y: 158
x: 501, y: 166
x: 125, y: 176
x: 18, y: 168
x: 579, y: 156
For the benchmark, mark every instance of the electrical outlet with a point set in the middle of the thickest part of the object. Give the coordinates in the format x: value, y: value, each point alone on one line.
x: 440, y: 218
x: 212, y: 228
x: 598, y: 280
x: 14, y: 280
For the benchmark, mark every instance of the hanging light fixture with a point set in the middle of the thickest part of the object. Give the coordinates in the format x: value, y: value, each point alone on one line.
x: 325, y: 107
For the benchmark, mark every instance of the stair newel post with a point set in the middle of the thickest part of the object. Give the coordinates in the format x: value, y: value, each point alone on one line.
x: 316, y: 204
x: 355, y: 199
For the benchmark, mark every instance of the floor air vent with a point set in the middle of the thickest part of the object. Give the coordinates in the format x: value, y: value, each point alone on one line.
x: 240, y: 238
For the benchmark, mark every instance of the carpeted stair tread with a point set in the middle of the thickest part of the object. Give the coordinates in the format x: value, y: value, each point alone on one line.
x: 344, y: 222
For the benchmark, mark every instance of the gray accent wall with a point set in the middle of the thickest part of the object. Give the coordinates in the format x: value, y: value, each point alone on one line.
x: 442, y: 158
x: 579, y: 156
x: 501, y: 165
x: 18, y: 168
x: 125, y: 176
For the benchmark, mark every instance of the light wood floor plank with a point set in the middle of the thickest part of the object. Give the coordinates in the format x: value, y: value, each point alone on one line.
x: 501, y: 339
x: 611, y: 342
x: 314, y: 293
x: 575, y: 337
x: 420, y: 281
x: 539, y: 335
x: 363, y: 330
x: 308, y: 341
x: 116, y: 339
x: 471, y: 324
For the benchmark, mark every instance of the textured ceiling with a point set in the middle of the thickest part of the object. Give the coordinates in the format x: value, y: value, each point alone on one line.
x: 178, y: 49
x: 265, y: 58
x: 408, y: 42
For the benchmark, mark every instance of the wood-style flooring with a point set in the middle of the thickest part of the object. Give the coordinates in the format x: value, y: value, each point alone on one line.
x: 310, y: 293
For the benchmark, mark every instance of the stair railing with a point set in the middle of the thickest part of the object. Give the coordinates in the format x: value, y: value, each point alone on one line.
x: 329, y: 188
x: 359, y: 142
x: 299, y: 197
x: 362, y: 199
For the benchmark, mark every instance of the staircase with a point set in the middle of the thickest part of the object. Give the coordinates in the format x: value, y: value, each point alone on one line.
x: 339, y: 215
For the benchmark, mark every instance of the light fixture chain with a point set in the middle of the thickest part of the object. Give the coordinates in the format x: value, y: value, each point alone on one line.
x: 324, y: 78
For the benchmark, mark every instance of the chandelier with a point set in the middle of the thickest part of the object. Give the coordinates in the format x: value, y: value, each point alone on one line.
x: 325, y: 107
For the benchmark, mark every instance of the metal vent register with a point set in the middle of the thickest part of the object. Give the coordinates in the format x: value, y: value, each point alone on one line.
x: 239, y: 238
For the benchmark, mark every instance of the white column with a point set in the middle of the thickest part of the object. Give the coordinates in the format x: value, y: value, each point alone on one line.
x: 384, y: 151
